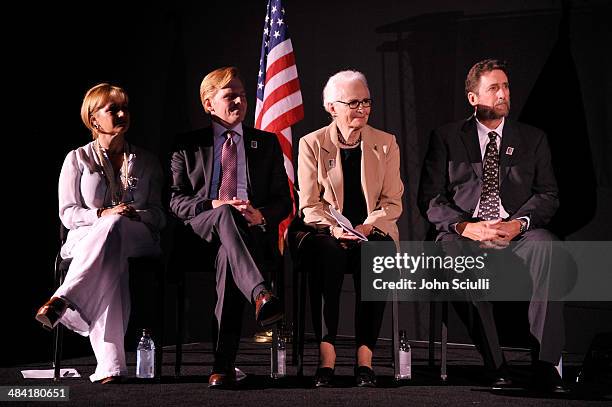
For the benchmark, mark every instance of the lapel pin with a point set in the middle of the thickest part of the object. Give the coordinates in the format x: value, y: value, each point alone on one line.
x: 509, y: 150
x: 332, y: 163
x: 253, y: 143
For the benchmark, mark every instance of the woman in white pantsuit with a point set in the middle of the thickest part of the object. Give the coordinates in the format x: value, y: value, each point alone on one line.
x: 110, y: 200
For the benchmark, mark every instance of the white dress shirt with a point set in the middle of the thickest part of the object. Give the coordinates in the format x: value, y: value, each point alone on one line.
x: 483, y: 139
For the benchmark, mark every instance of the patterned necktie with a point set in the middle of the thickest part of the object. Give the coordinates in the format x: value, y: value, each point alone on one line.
x: 489, y: 197
x: 229, y: 169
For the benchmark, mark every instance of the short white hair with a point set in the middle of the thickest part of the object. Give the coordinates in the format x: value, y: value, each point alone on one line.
x: 333, y: 91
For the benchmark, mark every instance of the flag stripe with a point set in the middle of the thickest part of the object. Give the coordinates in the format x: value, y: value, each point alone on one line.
x: 291, y: 116
x: 289, y: 168
x: 280, y: 108
x: 280, y: 79
x: 279, y: 103
x: 279, y: 50
x: 286, y: 133
x: 285, y: 145
x: 288, y: 89
x: 279, y: 65
x: 276, y: 82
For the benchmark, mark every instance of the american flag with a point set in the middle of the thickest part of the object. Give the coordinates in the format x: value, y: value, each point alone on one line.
x: 279, y: 100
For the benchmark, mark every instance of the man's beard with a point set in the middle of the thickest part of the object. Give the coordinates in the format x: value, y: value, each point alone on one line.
x: 488, y: 113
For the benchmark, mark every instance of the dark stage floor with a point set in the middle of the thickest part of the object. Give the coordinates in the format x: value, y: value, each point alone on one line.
x: 465, y: 385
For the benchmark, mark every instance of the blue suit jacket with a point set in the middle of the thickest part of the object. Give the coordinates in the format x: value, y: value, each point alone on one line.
x: 192, y: 169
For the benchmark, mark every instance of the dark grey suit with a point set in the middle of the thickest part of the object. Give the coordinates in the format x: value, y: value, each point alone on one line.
x: 224, y: 228
x: 450, y: 188
x: 452, y: 175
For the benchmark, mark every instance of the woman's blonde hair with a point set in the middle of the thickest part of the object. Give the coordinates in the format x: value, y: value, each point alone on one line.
x: 217, y: 79
x: 96, y: 98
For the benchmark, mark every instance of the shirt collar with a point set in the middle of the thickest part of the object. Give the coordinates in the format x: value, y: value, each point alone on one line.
x: 218, y: 129
x: 484, y: 130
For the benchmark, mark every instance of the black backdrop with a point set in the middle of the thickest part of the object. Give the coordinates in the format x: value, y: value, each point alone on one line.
x: 55, y: 52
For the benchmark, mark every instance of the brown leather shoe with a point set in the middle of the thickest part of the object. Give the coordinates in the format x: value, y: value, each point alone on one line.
x: 268, y: 308
x: 50, y: 313
x: 111, y: 380
x: 222, y: 380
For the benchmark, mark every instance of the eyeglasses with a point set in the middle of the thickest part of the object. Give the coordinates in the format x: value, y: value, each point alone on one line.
x: 354, y: 104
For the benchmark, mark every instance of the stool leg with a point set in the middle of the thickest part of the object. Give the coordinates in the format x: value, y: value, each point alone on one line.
x: 58, y: 336
x: 395, y: 329
x: 160, y: 318
x: 432, y: 332
x: 302, y: 324
x: 296, y: 301
x: 444, y: 341
x: 180, y: 316
x: 274, y: 350
x: 58, y: 333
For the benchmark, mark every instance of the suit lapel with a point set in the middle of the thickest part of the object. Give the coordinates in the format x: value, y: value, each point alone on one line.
x: 249, y: 155
x: 330, y: 155
x: 510, y: 145
x: 207, y: 156
x: 369, y: 163
x: 469, y: 136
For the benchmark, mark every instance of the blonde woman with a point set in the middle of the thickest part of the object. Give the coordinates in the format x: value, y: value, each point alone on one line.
x: 110, y: 200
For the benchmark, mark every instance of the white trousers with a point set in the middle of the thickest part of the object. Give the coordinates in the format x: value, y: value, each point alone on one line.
x: 97, y: 284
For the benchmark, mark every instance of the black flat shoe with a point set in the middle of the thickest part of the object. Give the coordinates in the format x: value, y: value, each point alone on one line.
x: 50, y: 313
x: 324, y: 377
x: 365, y: 377
x: 546, y: 379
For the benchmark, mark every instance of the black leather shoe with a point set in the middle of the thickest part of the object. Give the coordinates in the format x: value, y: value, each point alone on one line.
x: 324, y: 377
x: 500, y: 383
x: 50, y: 313
x: 546, y: 379
x: 365, y: 377
x: 501, y: 379
x: 268, y: 308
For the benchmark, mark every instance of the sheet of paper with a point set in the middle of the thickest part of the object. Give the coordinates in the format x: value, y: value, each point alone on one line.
x: 48, y: 373
x: 345, y: 224
x: 240, y: 375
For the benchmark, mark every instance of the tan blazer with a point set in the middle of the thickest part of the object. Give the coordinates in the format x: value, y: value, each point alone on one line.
x: 321, y: 183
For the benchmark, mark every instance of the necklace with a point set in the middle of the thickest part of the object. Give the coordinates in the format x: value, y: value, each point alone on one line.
x: 353, y: 144
x: 117, y: 189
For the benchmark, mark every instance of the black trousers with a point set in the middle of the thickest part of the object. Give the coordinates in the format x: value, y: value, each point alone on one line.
x: 546, y: 323
x: 237, y: 276
x: 327, y: 262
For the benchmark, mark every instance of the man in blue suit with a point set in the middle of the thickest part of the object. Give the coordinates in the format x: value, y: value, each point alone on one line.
x: 229, y: 185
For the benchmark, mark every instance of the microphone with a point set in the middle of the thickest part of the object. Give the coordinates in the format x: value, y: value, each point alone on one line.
x: 100, y: 130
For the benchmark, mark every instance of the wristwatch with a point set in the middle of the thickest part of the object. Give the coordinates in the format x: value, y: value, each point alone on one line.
x: 523, y: 228
x: 263, y: 224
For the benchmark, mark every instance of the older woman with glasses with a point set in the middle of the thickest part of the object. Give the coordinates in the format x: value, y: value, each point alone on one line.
x: 353, y: 168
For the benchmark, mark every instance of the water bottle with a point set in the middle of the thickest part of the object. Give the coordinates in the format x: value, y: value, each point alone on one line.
x: 405, y: 358
x: 280, y: 352
x: 145, y: 356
